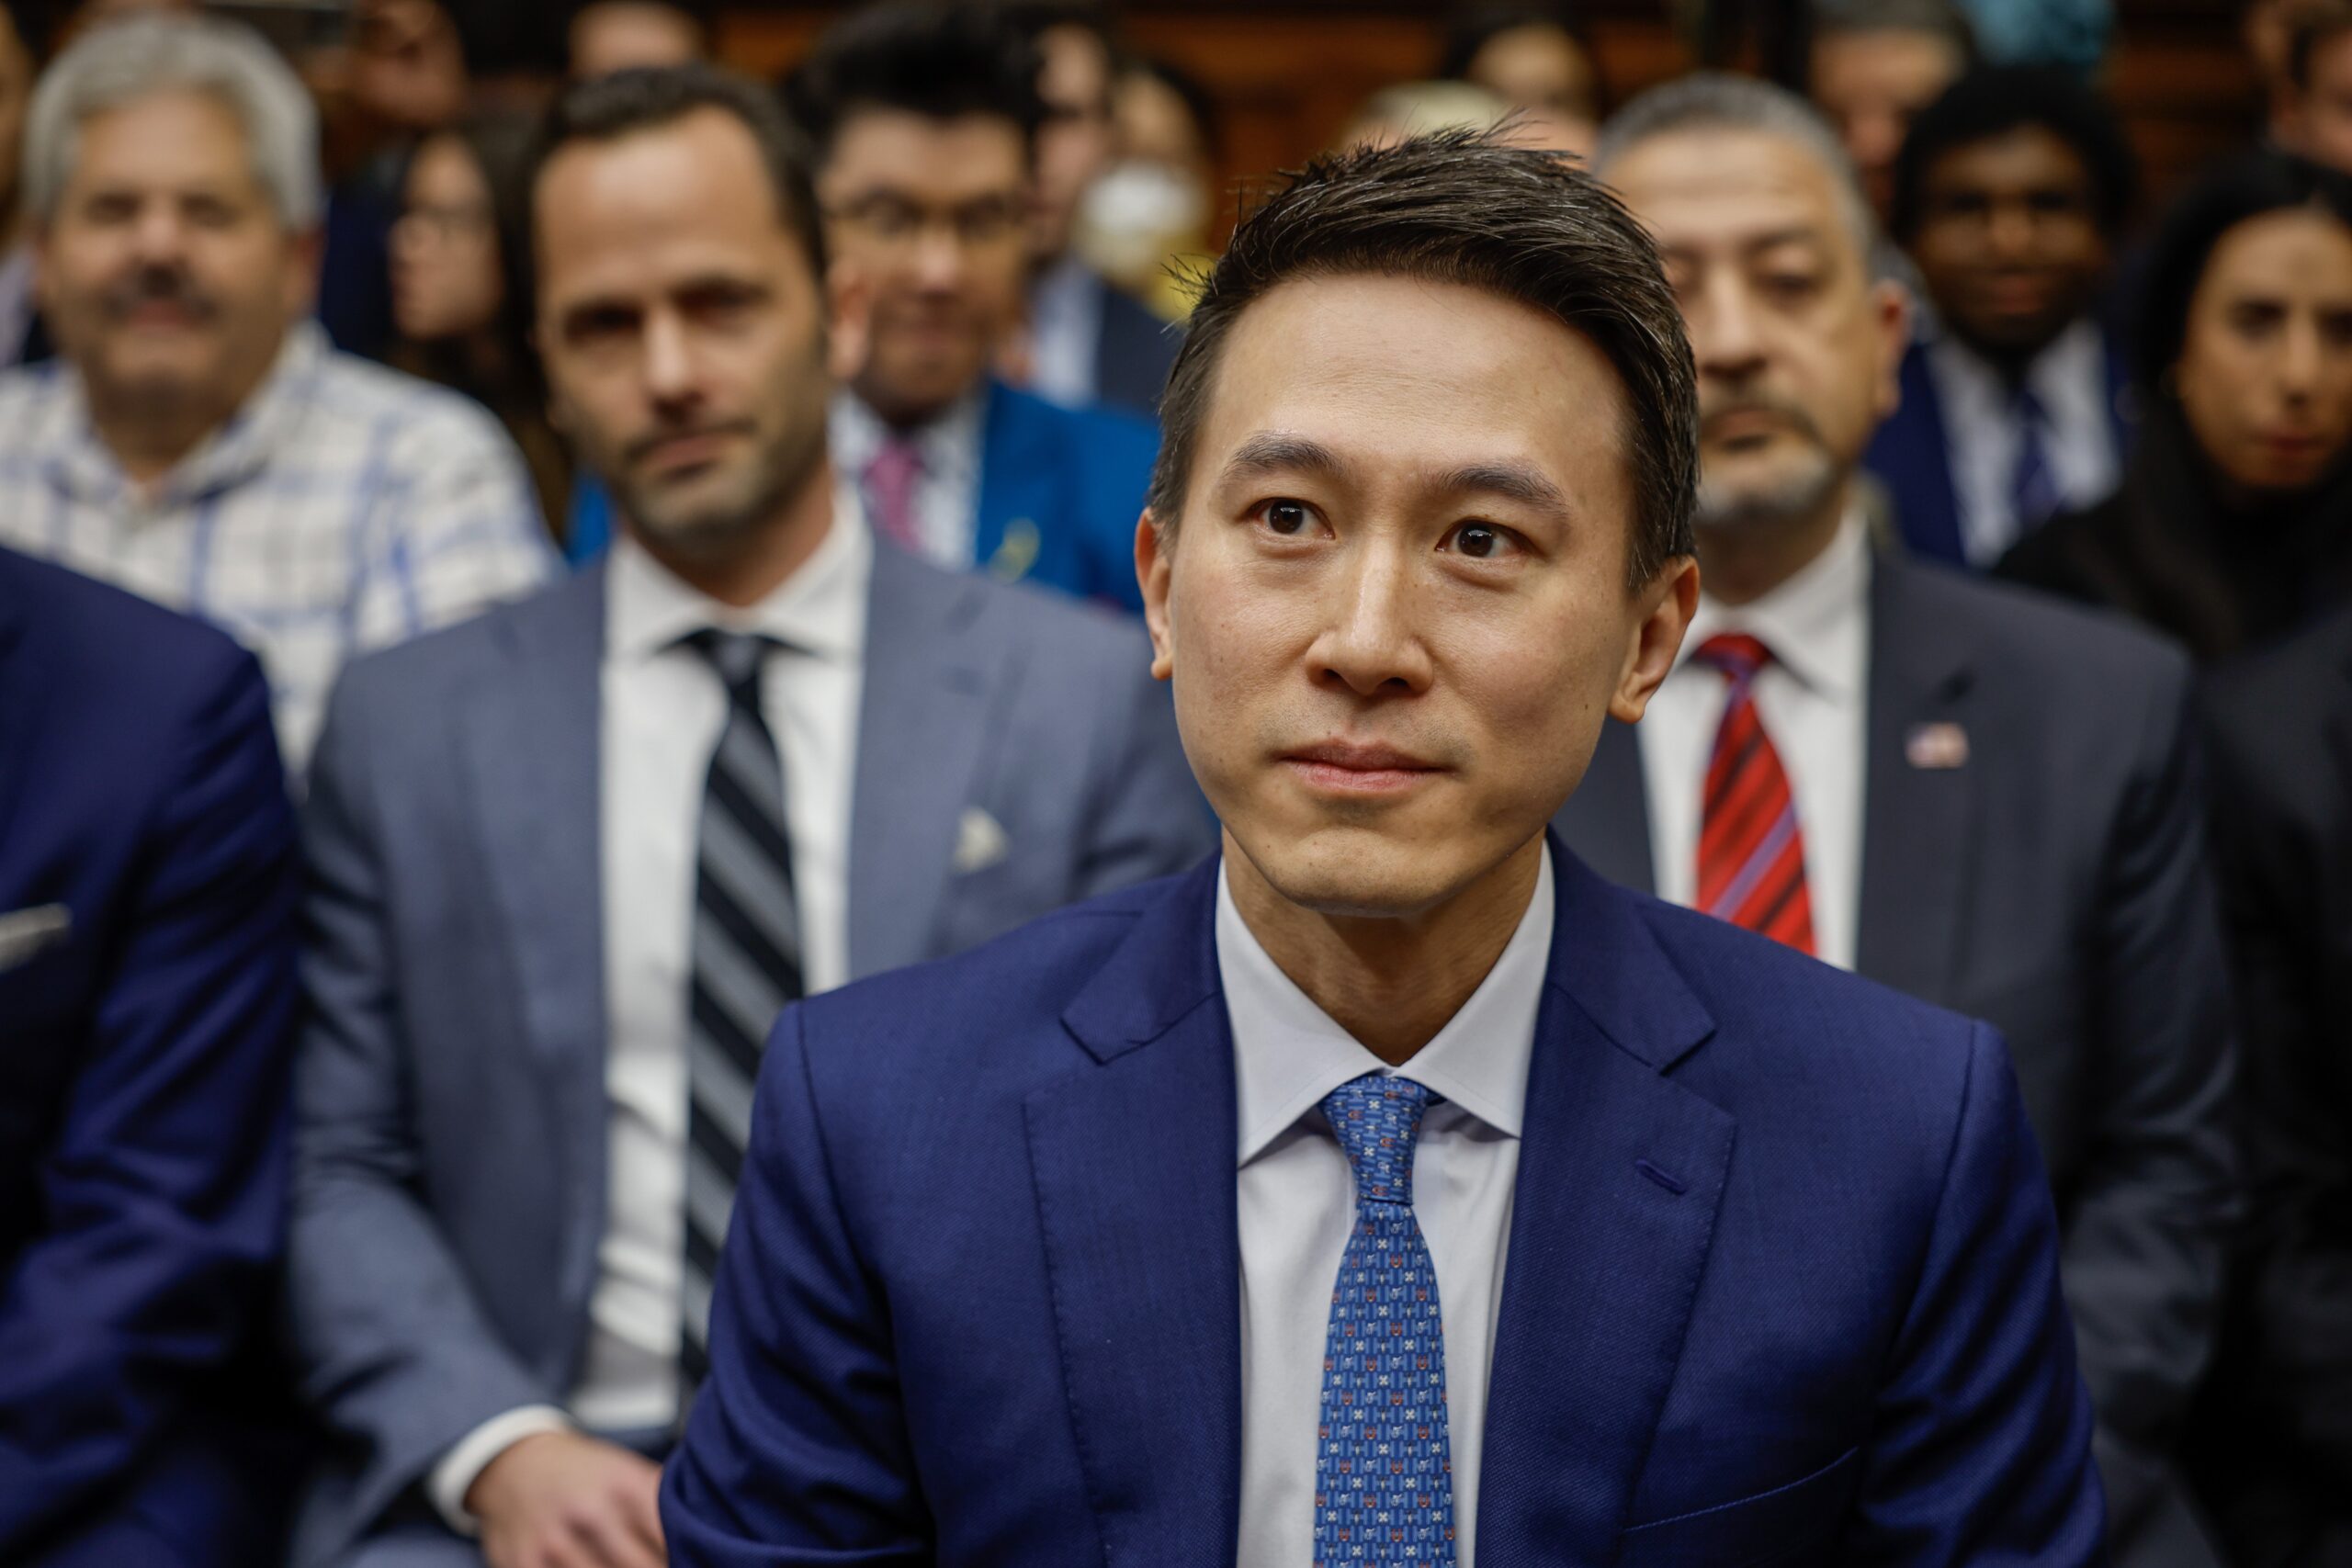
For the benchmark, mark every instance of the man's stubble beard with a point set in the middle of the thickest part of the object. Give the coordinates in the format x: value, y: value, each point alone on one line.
x: 717, y: 530
x: 1793, y: 498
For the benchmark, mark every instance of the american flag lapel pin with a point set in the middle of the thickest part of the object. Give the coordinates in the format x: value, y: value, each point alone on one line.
x: 1940, y: 745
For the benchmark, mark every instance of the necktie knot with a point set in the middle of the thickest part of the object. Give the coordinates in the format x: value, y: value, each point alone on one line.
x: 1738, y: 655
x: 738, y: 658
x: 1379, y: 1121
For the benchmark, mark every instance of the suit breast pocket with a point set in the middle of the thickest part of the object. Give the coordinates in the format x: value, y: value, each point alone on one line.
x: 1789, y: 1525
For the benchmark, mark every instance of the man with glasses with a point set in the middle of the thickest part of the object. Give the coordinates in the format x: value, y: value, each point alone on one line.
x: 924, y: 120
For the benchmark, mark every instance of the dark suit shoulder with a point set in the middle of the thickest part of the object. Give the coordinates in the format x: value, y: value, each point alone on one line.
x: 459, y: 652
x: 2060, y: 654
x: 126, y: 660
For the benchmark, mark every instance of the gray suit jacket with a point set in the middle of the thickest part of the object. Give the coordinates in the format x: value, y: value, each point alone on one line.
x: 2054, y: 884
x: 451, y: 1168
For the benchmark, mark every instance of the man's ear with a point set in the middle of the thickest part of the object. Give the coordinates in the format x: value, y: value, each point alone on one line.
x: 1891, y: 315
x: 1667, y: 605
x: 1154, y: 569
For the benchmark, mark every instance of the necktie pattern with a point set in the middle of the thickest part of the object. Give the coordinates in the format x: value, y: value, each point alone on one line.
x: 889, y: 480
x: 1752, y: 848
x: 746, y: 967
x: 2033, y: 483
x: 1383, y: 1459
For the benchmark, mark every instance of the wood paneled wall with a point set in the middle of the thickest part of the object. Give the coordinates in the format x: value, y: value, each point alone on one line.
x: 1287, y: 76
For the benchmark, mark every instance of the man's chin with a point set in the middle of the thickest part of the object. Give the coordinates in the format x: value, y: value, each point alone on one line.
x: 1362, y: 872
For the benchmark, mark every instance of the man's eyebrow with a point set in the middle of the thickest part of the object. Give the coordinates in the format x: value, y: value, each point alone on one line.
x: 1512, y: 481
x: 1795, y: 235
x: 1270, y: 452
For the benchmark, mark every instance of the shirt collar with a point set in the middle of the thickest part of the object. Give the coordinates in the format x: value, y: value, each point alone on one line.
x: 950, y: 442
x: 1289, y: 1053
x: 229, y: 455
x: 1816, y: 624
x: 818, y: 610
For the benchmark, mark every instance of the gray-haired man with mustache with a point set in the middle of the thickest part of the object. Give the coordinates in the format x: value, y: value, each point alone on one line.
x: 1969, y: 794
x: 199, y: 441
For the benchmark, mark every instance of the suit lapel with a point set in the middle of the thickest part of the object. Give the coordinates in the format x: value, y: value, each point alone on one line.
x: 530, y: 734
x: 1018, y: 529
x: 921, y: 724
x: 1620, y: 1174
x: 1607, y: 821
x: 1919, y: 808
x: 1134, y: 1160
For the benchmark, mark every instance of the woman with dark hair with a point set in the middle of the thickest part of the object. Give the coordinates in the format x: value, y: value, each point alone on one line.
x: 2233, y: 523
x: 458, y: 296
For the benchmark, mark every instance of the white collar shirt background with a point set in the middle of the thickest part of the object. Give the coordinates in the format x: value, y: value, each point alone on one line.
x: 1814, y: 701
x: 1296, y: 1192
x: 947, y: 495
x: 1981, y: 432
x: 1064, y: 333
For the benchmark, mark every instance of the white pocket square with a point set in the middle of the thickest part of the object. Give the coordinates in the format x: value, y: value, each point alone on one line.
x: 24, y: 933
x: 980, y: 841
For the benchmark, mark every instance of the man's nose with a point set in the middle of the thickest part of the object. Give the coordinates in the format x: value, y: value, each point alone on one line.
x: 2009, y: 229
x: 670, y: 376
x: 938, y: 259
x: 1726, y: 333
x: 160, y: 235
x: 1375, y: 643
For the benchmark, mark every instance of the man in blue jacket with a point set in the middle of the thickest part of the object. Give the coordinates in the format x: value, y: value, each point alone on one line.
x: 924, y: 120
x: 1395, y: 1190
x: 147, y: 882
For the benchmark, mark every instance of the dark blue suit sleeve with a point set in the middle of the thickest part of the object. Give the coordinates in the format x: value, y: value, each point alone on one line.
x: 796, y: 1453
x: 164, y: 1194
x: 1981, y: 1450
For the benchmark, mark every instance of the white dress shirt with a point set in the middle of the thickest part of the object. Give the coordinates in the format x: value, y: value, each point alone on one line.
x: 662, y: 709
x: 947, y: 494
x: 1064, y: 333
x: 1297, y: 1207
x: 1981, y: 432
x: 1814, y: 701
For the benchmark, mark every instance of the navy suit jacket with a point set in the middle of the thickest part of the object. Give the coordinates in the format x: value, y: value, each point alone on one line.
x: 147, y: 994
x: 1782, y: 1283
x: 1911, y: 456
x: 1060, y: 493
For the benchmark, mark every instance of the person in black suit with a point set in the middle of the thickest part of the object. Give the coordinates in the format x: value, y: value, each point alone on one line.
x: 2280, y: 1464
x: 147, y: 999
x: 1982, y: 797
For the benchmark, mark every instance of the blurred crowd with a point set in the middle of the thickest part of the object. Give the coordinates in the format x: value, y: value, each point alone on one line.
x: 611, y: 552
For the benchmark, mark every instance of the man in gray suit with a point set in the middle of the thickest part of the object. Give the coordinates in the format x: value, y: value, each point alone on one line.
x: 1984, y: 798
x: 570, y: 861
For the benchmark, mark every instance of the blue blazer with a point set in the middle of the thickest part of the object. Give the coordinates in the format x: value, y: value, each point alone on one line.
x: 1060, y: 493
x: 1911, y: 456
x: 1783, y: 1288
x: 147, y: 995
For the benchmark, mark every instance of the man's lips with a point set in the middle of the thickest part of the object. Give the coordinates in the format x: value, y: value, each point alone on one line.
x: 1347, y: 768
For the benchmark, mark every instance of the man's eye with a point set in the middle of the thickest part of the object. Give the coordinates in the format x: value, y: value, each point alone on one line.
x: 1479, y: 541
x: 1287, y: 517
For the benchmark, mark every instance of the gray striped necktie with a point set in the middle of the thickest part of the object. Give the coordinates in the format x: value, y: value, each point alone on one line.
x: 746, y: 967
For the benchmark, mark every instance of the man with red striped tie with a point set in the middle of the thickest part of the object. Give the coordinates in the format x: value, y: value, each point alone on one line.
x: 1984, y: 798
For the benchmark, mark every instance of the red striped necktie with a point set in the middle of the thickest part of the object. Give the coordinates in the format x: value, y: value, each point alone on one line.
x: 1752, y: 850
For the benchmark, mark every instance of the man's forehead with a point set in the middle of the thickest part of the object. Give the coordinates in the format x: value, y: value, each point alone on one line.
x: 900, y: 150
x: 1727, y: 187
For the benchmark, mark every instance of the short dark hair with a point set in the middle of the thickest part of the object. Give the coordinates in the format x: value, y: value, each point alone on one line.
x: 2310, y: 24
x: 2235, y: 191
x: 941, y: 61
x: 649, y: 98
x: 1993, y: 100
x: 1458, y: 206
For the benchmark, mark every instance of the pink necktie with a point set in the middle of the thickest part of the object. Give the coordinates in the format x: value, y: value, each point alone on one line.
x: 890, y: 480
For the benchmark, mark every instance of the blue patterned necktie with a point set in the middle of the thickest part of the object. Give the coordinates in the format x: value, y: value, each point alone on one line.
x: 1383, y: 1461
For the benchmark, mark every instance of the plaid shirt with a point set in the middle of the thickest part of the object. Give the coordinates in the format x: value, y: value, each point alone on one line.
x: 345, y: 507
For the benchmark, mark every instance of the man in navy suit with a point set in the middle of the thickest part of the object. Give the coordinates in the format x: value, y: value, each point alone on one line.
x: 147, y: 881
x: 2011, y: 193
x: 925, y: 119
x: 1395, y: 1190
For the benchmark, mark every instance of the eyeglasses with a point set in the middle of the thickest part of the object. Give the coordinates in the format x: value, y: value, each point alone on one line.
x: 468, y: 221
x: 896, y: 223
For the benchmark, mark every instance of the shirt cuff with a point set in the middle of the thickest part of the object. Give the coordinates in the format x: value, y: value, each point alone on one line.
x: 470, y: 1455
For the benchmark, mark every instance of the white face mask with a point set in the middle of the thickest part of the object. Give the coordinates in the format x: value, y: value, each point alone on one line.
x: 1132, y: 218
